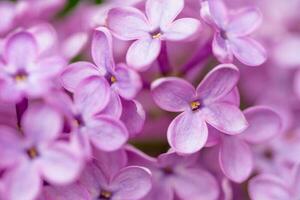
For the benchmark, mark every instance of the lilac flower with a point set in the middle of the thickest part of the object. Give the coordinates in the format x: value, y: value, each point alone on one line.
x: 159, y: 24
x: 22, y: 72
x: 232, y: 33
x: 34, y: 154
x: 90, y: 122
x: 271, y: 186
x: 188, y: 132
x: 174, y: 174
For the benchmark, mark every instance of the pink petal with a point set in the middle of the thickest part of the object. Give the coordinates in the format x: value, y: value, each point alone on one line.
x: 132, y: 183
x: 218, y: 12
x: 162, y: 13
x: 187, y: 133
x: 218, y: 83
x: 7, y: 10
x: 172, y: 94
x: 74, y: 44
x: 48, y: 67
x: 264, y: 124
x: 23, y: 182
x: 225, y: 117
x: 233, y: 97
x: 128, y: 23
x: 181, y: 29
x: 107, y: 134
x: 268, y: 187
x: 114, y: 107
x: 102, y: 49
x: 248, y: 51
x: 128, y: 82
x: 235, y: 159
x: 221, y: 49
x: 44, y: 130
x: 133, y: 116
x: 70, y: 192
x: 296, y: 181
x: 195, y: 184
x: 143, y: 52
x: 92, y: 95
x: 58, y: 164
x: 21, y: 50
x: 77, y: 72
x: 245, y: 22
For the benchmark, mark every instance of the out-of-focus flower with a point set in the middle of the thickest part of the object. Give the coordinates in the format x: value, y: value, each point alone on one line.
x: 159, y: 24
x: 232, y: 33
x: 188, y: 132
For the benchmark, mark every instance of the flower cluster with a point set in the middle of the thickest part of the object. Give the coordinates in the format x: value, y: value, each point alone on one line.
x: 149, y: 100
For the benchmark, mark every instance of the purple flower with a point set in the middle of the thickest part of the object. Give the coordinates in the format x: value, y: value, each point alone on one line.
x: 232, y: 33
x: 159, y: 24
x: 188, y: 132
x: 35, y: 154
x: 271, y: 186
x: 23, y: 73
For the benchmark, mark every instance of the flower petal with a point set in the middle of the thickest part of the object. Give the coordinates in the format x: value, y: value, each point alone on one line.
x: 70, y: 192
x: 102, y: 49
x: 44, y: 130
x: 248, y: 51
x: 128, y: 82
x: 218, y: 12
x: 114, y: 107
x: 48, y: 67
x: 268, y: 187
x: 181, y: 29
x: 225, y: 117
x: 245, y: 22
x: 127, y: 23
x: 107, y: 134
x: 92, y: 95
x: 161, y: 13
x: 235, y: 159
x: 187, y: 133
x: 264, y: 124
x: 143, y: 52
x: 58, y: 164
x: 20, y: 50
x: 221, y: 50
x: 77, y: 72
x: 218, y: 83
x: 172, y: 94
x: 132, y: 183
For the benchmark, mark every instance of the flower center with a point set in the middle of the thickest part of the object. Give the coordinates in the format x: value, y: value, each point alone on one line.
x: 156, y: 36
x: 168, y: 170
x: 20, y: 76
x: 224, y: 34
x: 195, y: 105
x: 78, y: 121
x: 113, y: 79
x: 32, y: 152
x: 104, y: 194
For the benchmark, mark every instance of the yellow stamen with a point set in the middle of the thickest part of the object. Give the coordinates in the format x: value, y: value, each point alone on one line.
x: 75, y: 123
x: 195, y: 105
x: 20, y: 78
x: 113, y: 79
x: 32, y: 152
x: 105, y: 194
x: 156, y: 36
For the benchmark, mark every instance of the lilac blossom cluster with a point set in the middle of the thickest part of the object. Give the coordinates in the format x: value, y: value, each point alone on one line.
x: 149, y: 100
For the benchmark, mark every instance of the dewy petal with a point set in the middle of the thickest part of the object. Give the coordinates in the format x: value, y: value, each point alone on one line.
x: 128, y: 23
x: 107, y: 133
x: 218, y: 83
x: 128, y: 82
x: 143, y: 52
x: 92, y: 95
x: 132, y: 183
x: 221, y: 50
x: 42, y: 123
x: 181, y: 29
x: 225, y: 117
x: 58, y: 164
x: 23, y: 182
x: 77, y: 72
x: 195, y: 184
x: 268, y: 187
x: 245, y: 22
x: 187, y: 133
x: 20, y: 50
x: 133, y: 116
x: 235, y: 159
x: 161, y: 13
x: 218, y: 12
x: 248, y: 51
x: 172, y: 94
x: 102, y: 49
x: 264, y: 124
